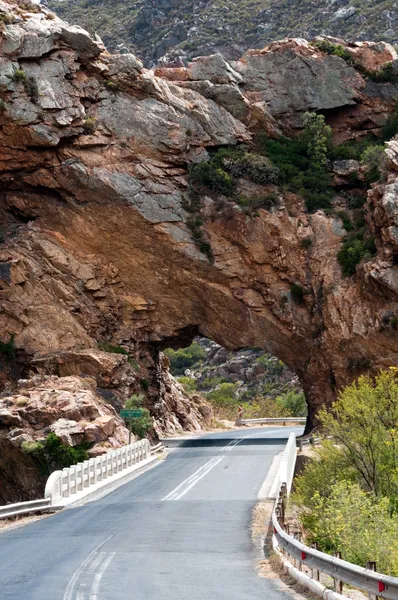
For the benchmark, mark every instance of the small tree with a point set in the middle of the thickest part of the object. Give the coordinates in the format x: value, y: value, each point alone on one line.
x: 317, y: 136
x: 364, y: 426
x: 143, y: 424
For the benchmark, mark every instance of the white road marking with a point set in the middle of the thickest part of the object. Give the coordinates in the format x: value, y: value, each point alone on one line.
x: 68, y: 595
x: 198, y: 479
x: 80, y: 594
x: 193, y: 479
x: 189, y: 479
x: 98, y: 576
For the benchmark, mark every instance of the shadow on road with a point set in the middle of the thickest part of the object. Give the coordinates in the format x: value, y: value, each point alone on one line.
x: 206, y: 443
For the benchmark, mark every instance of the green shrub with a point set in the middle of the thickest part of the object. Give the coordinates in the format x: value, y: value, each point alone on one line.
x: 390, y: 127
x: 302, y: 163
x: 297, y: 293
x: 188, y: 383
x: 394, y: 322
x: 8, y: 349
x: 144, y: 384
x: 223, y: 395
x: 265, y: 201
x: 347, y: 496
x: 106, y: 347
x: 353, y: 521
x: 354, y: 250
x: 111, y: 85
x: 306, y: 243
x: 352, y: 149
x: 293, y: 402
x: 19, y: 76
x: 253, y: 167
x: 199, y: 237
x: 32, y: 89
x: 142, y: 425
x: 53, y: 454
x: 347, y: 223
x: 335, y: 50
x: 89, y: 125
x: 185, y: 358
x: 215, y: 179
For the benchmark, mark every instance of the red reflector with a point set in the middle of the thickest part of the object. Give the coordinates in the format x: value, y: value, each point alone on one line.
x: 382, y: 586
x: 303, y: 556
x: 275, y: 530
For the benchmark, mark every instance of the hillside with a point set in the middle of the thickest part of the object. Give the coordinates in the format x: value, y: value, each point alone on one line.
x: 251, y: 378
x: 253, y: 203
x: 182, y: 28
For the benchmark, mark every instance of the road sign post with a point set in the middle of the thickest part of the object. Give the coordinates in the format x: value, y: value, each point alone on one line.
x: 130, y: 414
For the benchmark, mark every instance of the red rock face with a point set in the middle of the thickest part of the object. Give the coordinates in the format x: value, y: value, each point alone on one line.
x: 93, y: 175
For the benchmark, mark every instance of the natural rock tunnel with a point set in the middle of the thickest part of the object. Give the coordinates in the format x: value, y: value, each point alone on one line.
x: 97, y: 241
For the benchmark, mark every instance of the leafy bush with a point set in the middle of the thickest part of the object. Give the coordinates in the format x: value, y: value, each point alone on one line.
x: 207, y: 175
x: 306, y: 242
x: 302, y: 162
x: 89, y: 125
x: 354, y: 522
x: 335, y: 50
x: 374, y: 159
x: 188, y: 383
x: 352, y: 149
x: 297, y: 293
x: 253, y: 167
x: 347, y: 496
x: 294, y: 403
x: 347, y: 223
x: 19, y: 76
x: 363, y: 426
x: 53, y: 454
x: 390, y: 127
x: 141, y: 425
x: 8, y: 349
x: 265, y: 201
x: 195, y: 225
x: 355, y: 249
x: 185, y: 358
x: 223, y: 395
x: 106, y: 347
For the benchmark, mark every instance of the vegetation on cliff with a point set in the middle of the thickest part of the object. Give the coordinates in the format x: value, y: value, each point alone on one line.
x: 253, y: 379
x: 203, y: 27
x: 347, y: 497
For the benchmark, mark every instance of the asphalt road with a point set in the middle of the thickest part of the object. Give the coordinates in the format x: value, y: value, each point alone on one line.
x: 180, y: 531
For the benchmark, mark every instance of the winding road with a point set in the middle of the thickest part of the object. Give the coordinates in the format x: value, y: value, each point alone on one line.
x: 180, y: 531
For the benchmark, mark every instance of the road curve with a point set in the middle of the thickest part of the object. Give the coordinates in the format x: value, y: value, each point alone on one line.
x: 180, y: 531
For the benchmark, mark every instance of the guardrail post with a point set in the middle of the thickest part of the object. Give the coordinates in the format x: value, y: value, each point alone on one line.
x: 371, y: 565
x: 338, y: 584
x: 315, y: 572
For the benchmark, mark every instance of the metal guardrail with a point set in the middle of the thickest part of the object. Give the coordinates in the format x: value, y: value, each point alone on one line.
x: 369, y: 581
x: 374, y: 583
x: 24, y: 508
x: 272, y: 420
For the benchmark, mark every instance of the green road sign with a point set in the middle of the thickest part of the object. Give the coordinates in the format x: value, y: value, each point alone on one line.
x: 135, y: 413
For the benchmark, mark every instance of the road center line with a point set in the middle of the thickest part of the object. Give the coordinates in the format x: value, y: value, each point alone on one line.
x: 188, y: 483
x: 98, y: 576
x: 73, y: 580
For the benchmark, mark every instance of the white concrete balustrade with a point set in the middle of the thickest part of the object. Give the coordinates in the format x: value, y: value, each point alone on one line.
x: 75, y: 482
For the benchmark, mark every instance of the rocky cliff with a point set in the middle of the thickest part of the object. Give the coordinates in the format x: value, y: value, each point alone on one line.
x: 106, y: 247
x: 177, y: 31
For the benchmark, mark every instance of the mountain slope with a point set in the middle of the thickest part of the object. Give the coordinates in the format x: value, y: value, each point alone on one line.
x: 152, y: 29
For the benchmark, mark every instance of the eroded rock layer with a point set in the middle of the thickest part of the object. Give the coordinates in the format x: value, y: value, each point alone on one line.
x: 97, y: 245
